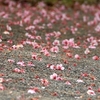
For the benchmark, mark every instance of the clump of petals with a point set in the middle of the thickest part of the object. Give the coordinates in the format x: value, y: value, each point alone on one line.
x: 30, y: 64
x: 35, y: 45
x: 17, y: 46
x: 33, y: 90
x: 8, y: 28
x: 77, y: 56
x: 34, y: 56
x: 97, y: 28
x: 45, y: 52
x: 11, y: 60
x: 85, y: 74
x: 0, y: 40
x: 57, y: 34
x: 10, y: 41
x: 91, y: 92
x: 21, y: 63
x: 67, y: 83
x: 87, y: 51
x: 65, y: 42
x: 1, y: 80
x: 52, y: 66
x: 54, y: 76
x: 54, y: 49
x: 98, y: 90
x: 55, y: 67
x: 56, y: 43
x: 73, y: 29
x: 6, y: 32
x: 69, y: 54
x: 17, y: 70
x: 80, y: 81
x: 45, y: 82
x: 2, y: 87
x: 71, y: 42
x: 54, y: 94
x: 59, y: 67
x: 95, y: 58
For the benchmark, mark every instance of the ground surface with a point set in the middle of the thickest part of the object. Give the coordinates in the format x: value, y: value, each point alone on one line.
x: 49, y: 53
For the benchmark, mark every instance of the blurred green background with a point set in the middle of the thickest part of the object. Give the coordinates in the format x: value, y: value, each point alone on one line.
x: 65, y: 2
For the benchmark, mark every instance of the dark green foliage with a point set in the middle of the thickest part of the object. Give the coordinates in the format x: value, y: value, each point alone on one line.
x: 65, y: 2
x: 71, y: 2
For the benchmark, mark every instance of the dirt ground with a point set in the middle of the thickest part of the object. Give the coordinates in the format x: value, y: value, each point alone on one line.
x: 27, y: 35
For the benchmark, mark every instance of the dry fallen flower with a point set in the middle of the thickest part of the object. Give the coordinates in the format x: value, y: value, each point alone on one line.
x: 91, y: 92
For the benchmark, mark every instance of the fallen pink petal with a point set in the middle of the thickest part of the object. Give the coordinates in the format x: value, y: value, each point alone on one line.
x: 31, y: 91
x: 95, y: 58
x: 21, y: 63
x: 77, y: 56
x: 45, y: 82
x: 2, y: 87
x: 17, y: 70
x: 80, y: 81
x: 68, y: 83
x: 91, y: 92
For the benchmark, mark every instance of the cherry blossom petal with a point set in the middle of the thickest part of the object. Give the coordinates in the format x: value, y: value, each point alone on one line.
x: 2, y: 87
x: 45, y: 82
x: 91, y: 92
x: 95, y: 58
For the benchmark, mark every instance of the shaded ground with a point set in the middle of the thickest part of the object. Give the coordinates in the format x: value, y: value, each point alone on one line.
x: 47, y: 23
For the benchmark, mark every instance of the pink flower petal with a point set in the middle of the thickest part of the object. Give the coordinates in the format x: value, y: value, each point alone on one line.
x: 91, y: 92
